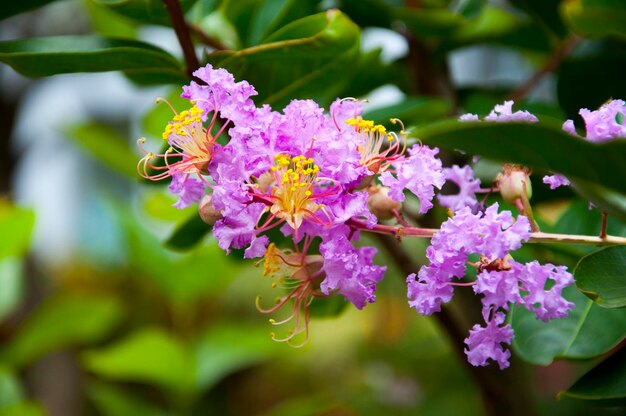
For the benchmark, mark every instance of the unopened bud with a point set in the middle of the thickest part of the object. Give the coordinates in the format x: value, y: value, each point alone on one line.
x: 514, y: 182
x: 206, y: 210
x: 380, y: 204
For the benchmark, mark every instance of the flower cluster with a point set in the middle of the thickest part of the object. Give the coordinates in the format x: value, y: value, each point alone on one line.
x: 321, y: 178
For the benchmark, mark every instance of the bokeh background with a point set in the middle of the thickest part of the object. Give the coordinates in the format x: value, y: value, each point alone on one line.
x: 107, y: 309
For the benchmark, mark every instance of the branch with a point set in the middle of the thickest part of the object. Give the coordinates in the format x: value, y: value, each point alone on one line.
x: 183, y: 35
x: 537, y: 237
x: 204, y: 38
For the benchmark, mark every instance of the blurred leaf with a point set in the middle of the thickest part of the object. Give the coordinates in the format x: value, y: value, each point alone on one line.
x: 106, y: 145
x: 595, y: 18
x: 318, y: 404
x: 539, y: 145
x: 11, y: 8
x: 602, y: 276
x: 411, y: 110
x: 16, y: 225
x: 69, y: 54
x: 544, y: 11
x: 588, y: 331
x: 10, y: 389
x: 63, y: 321
x: 149, y: 355
x: 604, y: 385
x: 113, y: 401
x: 429, y: 22
x: 108, y: 23
x: 365, y: 13
x: 471, y: 8
x: 230, y: 347
x: 189, y: 233
x: 597, y: 66
x: 156, y: 119
x: 305, y: 59
x: 149, y: 11
x: 159, y: 206
x: 11, y: 284
x: 272, y: 14
x: 607, y: 200
x: 328, y: 307
x: 27, y: 408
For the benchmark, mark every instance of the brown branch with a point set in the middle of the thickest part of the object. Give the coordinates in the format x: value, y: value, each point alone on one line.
x: 552, y: 64
x: 204, y: 38
x: 182, y: 33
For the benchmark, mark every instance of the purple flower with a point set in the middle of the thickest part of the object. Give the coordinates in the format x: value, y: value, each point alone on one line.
x: 189, y: 190
x: 606, y: 123
x: 469, y: 117
x: 429, y: 290
x: 504, y: 113
x: 468, y: 186
x: 350, y: 271
x: 555, y: 181
x: 499, y: 288
x: 420, y: 173
x: 239, y: 230
x: 546, y: 303
x: 485, y: 343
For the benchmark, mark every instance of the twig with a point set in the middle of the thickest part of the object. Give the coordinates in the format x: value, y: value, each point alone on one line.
x: 603, y: 235
x: 183, y: 35
x: 551, y: 65
x: 204, y: 38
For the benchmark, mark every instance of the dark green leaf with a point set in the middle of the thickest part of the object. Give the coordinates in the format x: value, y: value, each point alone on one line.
x: 272, y: 14
x: 429, y: 22
x: 10, y: 389
x: 607, y: 200
x: 544, y: 11
x: 69, y: 54
x: 11, y: 8
x: 11, y: 284
x: 588, y: 331
x: 490, y: 23
x: 471, y: 8
x: 368, y: 12
x: 149, y: 11
x: 305, y: 59
x: 604, y: 385
x: 149, y: 355
x: 188, y: 234
x: 63, y: 321
x: 595, y: 18
x: 106, y: 145
x: 411, y: 110
x: 602, y: 276
x: 539, y: 145
x: 328, y: 307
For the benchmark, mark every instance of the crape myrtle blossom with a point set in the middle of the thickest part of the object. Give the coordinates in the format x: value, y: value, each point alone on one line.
x: 503, y: 113
x: 556, y: 180
x: 301, y: 170
x: 500, y: 280
x: 603, y: 124
x: 463, y: 177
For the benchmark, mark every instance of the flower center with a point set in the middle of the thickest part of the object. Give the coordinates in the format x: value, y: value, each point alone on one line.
x: 377, y: 147
x: 293, y: 188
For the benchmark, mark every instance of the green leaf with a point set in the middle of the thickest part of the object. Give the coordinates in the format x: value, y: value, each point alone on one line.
x: 602, y: 276
x: 471, y: 8
x: 545, y: 12
x: 606, y: 200
x: 272, y: 14
x: 189, y: 233
x: 429, y: 22
x: 595, y: 18
x: 328, y: 307
x: 113, y: 401
x: 16, y: 225
x: 307, y: 58
x: 11, y: 8
x: 63, y: 321
x: 539, y: 145
x: 69, y: 54
x: 588, y: 331
x: 148, y: 11
x: 229, y: 347
x: 368, y: 12
x: 156, y: 119
x: 150, y: 356
x: 108, y: 23
x: 106, y: 145
x: 490, y: 23
x: 11, y: 284
x: 604, y: 385
x: 411, y: 110
x: 10, y: 389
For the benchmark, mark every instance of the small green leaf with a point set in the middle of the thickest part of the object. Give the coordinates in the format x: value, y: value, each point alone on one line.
x: 11, y: 284
x: 10, y: 389
x: 602, y: 276
x: 588, y: 331
x: 16, y: 225
x: 150, y: 355
x: 604, y: 385
x: 411, y: 110
x: 69, y: 54
x: 272, y: 14
x: 539, y: 145
x: 471, y: 8
x: 11, y: 8
x: 595, y: 18
x: 328, y: 307
x: 229, y: 347
x: 491, y: 23
x: 429, y: 22
x: 189, y: 233
x: 106, y: 145
x: 63, y: 321
x: 149, y: 11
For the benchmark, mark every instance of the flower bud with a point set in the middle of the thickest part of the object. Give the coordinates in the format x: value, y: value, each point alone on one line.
x: 206, y: 210
x: 514, y: 182
x: 380, y: 204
